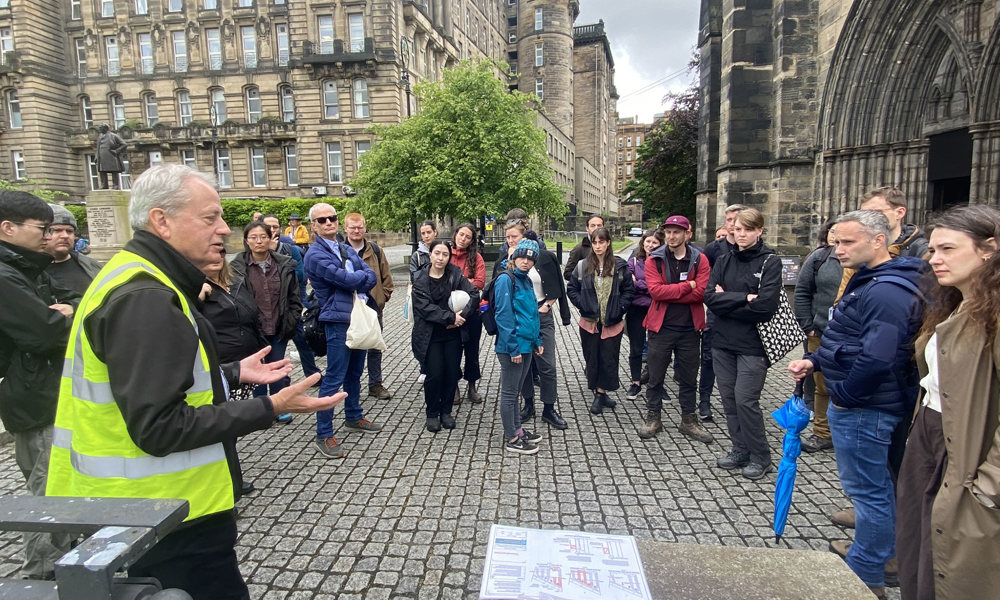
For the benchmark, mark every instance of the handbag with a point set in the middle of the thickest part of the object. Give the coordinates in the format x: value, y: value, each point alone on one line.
x: 364, y: 332
x: 314, y: 331
x: 408, y: 305
x: 782, y: 332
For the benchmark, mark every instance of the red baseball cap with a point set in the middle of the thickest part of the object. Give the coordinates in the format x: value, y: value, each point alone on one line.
x: 677, y: 221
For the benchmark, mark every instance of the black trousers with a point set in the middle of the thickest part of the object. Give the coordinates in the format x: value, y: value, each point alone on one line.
x: 200, y: 559
x: 636, y: 339
x: 443, y: 368
x: 470, y: 348
x: 707, y: 382
x: 686, y: 347
x: 601, y: 357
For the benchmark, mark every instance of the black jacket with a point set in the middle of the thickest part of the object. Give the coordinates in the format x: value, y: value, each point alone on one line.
x: 739, y: 274
x: 583, y: 294
x: 579, y: 252
x: 290, y: 299
x: 427, y: 313
x: 141, y: 333
x: 236, y: 320
x: 32, y: 339
x: 553, y: 285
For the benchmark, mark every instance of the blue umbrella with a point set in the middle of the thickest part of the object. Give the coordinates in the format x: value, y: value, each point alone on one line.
x: 793, y: 418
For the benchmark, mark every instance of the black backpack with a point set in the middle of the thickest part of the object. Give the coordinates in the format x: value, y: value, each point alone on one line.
x: 490, y: 314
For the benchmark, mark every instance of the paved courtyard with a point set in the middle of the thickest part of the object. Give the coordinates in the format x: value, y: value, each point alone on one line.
x: 407, y: 513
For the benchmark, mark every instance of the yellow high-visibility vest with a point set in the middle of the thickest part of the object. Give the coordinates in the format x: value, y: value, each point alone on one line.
x: 92, y: 452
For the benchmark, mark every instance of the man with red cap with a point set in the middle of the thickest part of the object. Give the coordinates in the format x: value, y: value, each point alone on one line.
x: 676, y: 275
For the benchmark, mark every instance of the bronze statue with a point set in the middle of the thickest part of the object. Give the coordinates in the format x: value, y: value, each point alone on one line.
x: 110, y: 150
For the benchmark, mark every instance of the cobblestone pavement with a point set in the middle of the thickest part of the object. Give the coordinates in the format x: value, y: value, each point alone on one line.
x: 407, y: 513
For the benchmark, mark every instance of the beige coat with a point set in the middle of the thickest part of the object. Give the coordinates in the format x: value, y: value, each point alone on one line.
x: 383, y: 274
x: 965, y: 535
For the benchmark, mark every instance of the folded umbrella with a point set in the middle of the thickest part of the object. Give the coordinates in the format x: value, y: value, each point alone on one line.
x: 793, y: 417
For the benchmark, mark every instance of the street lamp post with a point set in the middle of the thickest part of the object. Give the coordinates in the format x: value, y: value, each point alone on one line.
x: 405, y: 78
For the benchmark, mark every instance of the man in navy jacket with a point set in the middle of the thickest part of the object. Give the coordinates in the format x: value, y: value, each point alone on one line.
x: 866, y: 357
x: 337, y: 272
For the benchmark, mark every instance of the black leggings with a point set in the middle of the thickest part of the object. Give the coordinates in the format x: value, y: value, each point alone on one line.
x: 636, y: 338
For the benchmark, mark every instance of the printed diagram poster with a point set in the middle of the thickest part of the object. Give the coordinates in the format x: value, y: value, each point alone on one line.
x: 535, y: 564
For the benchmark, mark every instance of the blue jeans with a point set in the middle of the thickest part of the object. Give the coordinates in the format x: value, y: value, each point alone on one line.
x: 343, y: 370
x: 277, y: 353
x: 861, y: 438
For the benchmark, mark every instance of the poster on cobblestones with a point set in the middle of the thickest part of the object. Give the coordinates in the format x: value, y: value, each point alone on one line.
x: 537, y: 564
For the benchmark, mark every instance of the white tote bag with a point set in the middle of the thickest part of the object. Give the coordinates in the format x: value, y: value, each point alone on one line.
x: 364, y: 332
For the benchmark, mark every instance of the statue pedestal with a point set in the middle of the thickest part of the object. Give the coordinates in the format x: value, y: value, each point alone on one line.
x: 107, y: 221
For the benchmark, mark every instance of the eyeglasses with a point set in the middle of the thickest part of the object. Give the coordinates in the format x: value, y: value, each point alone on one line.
x: 325, y: 220
x: 46, y: 229
x: 258, y: 238
x: 355, y: 227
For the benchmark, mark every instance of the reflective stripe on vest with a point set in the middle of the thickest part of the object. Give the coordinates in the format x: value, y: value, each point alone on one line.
x: 92, y: 451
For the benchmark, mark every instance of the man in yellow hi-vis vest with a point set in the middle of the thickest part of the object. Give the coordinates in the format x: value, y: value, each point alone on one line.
x: 142, y: 404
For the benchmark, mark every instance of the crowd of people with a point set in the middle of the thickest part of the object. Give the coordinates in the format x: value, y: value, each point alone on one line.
x: 902, y: 355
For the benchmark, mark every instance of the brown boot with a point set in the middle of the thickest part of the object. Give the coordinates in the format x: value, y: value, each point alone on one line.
x: 844, y: 518
x: 693, y: 429
x: 472, y: 394
x: 458, y: 397
x: 651, y: 426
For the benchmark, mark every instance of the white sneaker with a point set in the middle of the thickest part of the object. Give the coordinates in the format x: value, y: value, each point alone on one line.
x: 420, y: 379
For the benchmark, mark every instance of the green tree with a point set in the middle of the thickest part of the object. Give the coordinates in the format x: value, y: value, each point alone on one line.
x: 35, y: 187
x: 666, y: 175
x: 472, y: 150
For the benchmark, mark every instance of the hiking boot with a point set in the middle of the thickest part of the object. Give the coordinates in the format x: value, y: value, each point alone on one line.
x: 528, y: 412
x: 458, y: 397
x: 550, y: 416
x: 433, y: 424
x: 651, y: 426
x: 447, y: 421
x: 284, y: 419
x: 844, y: 518
x: 597, y: 407
x: 756, y: 470
x: 379, y: 391
x: 607, y: 402
x: 691, y: 428
x: 815, y: 443
x: 472, y: 394
x: 521, y: 446
x: 633, y: 391
x: 733, y: 460
x: 363, y: 425
x: 644, y: 377
x: 842, y: 547
x: 532, y: 438
x: 329, y: 448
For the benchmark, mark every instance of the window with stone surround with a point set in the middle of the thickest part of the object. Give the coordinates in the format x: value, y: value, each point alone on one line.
x: 248, y: 33
x: 86, y: 111
x: 213, y: 41
x: 179, y: 42
x: 331, y: 104
x: 538, y: 19
x: 223, y: 168
x: 291, y: 166
x: 539, y: 57
x: 184, y: 114
x: 17, y: 162
x: 258, y: 167
x: 252, y: 98
x: 111, y: 51
x: 81, y: 56
x: 188, y: 159
x: 218, y: 106
x: 334, y: 163
x: 281, y: 36
x: 325, y: 26
x: 361, y: 99
x: 151, y: 109
x: 117, y: 103
x: 145, y: 43
x: 356, y: 31
x: 287, y: 98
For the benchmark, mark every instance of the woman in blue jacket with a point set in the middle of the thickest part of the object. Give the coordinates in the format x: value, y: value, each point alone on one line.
x: 439, y: 331
x: 518, y: 335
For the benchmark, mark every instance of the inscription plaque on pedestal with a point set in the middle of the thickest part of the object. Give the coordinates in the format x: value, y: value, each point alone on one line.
x: 107, y: 221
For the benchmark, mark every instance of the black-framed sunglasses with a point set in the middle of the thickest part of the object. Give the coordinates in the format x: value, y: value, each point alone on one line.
x: 325, y: 220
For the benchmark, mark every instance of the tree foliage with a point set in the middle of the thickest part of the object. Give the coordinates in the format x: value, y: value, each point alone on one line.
x: 35, y: 187
x: 472, y: 150
x: 666, y: 175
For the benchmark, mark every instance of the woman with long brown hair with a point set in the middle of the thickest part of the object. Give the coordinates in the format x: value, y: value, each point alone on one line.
x: 600, y: 286
x: 465, y: 256
x: 948, y: 493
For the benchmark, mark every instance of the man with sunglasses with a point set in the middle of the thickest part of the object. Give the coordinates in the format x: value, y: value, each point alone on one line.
x: 34, y: 327
x: 336, y: 273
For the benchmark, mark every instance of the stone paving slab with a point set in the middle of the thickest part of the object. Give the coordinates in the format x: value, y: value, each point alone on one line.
x: 407, y: 513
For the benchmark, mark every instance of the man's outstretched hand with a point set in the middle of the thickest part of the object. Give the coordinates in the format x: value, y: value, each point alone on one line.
x: 294, y: 398
x: 254, y: 370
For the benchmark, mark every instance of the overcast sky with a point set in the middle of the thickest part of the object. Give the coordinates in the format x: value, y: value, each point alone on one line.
x: 651, y: 40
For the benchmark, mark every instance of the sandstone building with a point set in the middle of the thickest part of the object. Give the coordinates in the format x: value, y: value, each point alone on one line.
x: 275, y: 96
x: 808, y: 104
x: 629, y: 136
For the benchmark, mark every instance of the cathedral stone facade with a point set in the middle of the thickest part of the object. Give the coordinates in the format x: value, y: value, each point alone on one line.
x: 806, y: 104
